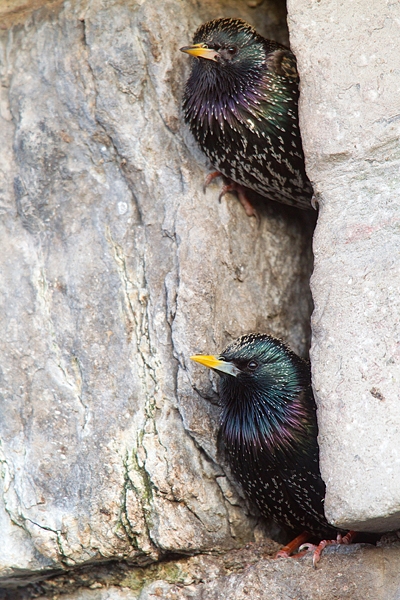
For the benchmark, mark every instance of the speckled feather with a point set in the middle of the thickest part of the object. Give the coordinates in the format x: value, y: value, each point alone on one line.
x: 269, y: 430
x: 242, y: 110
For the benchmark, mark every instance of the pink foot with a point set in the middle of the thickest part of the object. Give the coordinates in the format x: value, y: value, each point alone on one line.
x: 317, y: 550
x: 292, y: 546
x: 211, y: 178
x: 233, y: 187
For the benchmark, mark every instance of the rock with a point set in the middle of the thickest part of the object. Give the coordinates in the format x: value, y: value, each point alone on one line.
x: 354, y: 572
x: 116, y: 268
x: 348, y: 60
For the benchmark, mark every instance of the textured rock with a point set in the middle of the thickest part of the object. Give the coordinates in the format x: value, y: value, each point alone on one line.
x: 347, y: 573
x: 115, y: 267
x: 348, y: 60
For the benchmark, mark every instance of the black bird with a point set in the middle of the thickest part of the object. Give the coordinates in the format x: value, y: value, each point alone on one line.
x: 241, y: 105
x: 269, y: 430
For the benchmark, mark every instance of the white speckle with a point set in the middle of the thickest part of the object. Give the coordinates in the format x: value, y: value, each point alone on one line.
x: 362, y: 60
x: 372, y: 95
x: 122, y: 208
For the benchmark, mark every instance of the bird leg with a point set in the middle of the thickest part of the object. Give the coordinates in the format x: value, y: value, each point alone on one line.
x: 288, y: 550
x: 317, y: 550
x: 241, y: 194
x: 211, y: 178
x: 233, y: 187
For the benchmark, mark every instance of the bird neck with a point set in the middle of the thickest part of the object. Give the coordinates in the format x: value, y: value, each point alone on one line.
x: 215, y: 101
x: 277, y: 421
x: 214, y: 95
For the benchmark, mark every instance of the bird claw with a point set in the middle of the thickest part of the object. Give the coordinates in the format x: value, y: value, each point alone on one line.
x: 233, y: 187
x: 210, y: 177
x: 317, y: 550
x: 315, y: 202
x: 282, y: 554
x: 292, y: 546
x: 245, y: 202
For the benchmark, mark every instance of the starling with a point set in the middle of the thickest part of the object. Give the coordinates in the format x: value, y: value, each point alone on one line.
x: 269, y: 430
x: 240, y: 103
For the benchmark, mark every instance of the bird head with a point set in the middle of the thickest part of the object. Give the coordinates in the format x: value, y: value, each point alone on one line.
x: 265, y: 393
x: 259, y: 362
x: 228, y: 44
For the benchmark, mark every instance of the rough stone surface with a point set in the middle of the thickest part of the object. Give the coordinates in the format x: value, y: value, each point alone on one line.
x: 349, y: 65
x: 346, y: 573
x: 115, y: 267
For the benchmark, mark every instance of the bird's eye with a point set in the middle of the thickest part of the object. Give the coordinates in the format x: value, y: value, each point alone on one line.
x: 232, y: 50
x: 252, y: 365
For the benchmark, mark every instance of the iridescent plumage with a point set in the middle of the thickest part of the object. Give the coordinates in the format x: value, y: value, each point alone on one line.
x: 269, y: 430
x: 241, y: 105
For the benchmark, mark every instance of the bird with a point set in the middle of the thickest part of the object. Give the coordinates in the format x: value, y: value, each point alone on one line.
x: 241, y: 105
x: 268, y: 427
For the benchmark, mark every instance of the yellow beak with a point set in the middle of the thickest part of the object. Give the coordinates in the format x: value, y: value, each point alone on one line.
x: 213, y: 362
x: 200, y: 51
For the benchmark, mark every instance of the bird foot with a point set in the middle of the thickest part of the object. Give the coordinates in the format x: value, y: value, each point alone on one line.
x: 287, y: 551
x: 243, y: 199
x: 233, y: 187
x: 314, y: 202
x: 210, y: 177
x: 317, y: 550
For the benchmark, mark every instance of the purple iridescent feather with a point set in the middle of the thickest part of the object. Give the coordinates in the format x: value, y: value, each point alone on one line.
x: 243, y: 112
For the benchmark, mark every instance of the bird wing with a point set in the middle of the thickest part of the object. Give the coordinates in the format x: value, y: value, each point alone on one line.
x: 305, y: 490
x: 283, y: 62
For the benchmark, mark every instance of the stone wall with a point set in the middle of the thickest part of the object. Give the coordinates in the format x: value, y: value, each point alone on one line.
x: 115, y: 268
x: 349, y: 63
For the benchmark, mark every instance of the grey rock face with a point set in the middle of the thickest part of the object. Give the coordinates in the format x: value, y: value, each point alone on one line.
x: 348, y: 60
x: 349, y: 573
x: 115, y: 267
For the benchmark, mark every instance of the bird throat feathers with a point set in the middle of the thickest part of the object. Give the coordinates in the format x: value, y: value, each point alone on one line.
x: 275, y: 422
x: 224, y: 96
x: 210, y: 80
